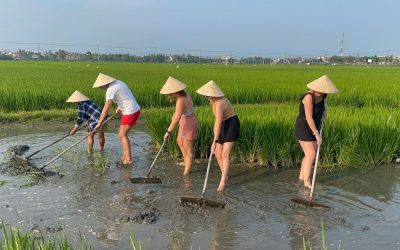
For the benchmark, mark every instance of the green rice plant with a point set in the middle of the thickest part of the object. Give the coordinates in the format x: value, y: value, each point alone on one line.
x: 133, y: 242
x: 352, y: 136
x: 33, y: 178
x: 323, y: 240
x: 16, y: 239
x: 36, y: 86
x: 99, y: 162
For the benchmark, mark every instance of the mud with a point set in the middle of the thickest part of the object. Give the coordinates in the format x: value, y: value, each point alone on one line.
x: 146, y: 217
x: 13, y: 165
x: 258, y: 214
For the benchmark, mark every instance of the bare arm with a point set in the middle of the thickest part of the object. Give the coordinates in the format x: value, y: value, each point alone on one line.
x: 104, y: 113
x: 219, y: 109
x: 308, y: 108
x: 176, y: 117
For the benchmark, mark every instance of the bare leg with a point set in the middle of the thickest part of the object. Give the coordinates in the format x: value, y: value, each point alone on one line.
x: 102, y: 141
x: 126, y: 144
x: 309, y: 149
x: 123, y: 152
x: 188, y: 146
x: 218, y: 155
x: 301, y: 175
x: 179, y: 141
x: 90, y: 140
x: 226, y: 151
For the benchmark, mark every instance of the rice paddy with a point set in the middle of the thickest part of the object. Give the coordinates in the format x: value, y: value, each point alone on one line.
x: 28, y: 86
x: 352, y: 136
x: 362, y: 128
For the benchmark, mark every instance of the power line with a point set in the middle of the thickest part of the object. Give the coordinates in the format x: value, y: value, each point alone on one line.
x: 152, y: 49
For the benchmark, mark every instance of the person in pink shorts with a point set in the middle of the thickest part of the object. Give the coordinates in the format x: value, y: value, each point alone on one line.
x: 118, y: 92
x: 184, y: 116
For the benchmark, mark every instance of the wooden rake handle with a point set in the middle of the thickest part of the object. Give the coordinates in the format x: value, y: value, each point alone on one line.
x: 51, y: 144
x: 206, y: 179
x: 155, y: 159
x: 73, y: 145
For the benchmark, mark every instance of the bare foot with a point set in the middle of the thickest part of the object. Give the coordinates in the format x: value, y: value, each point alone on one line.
x: 127, y: 163
x: 222, y: 186
x: 307, y: 183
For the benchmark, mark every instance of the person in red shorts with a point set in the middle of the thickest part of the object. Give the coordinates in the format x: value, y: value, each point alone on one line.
x: 118, y: 92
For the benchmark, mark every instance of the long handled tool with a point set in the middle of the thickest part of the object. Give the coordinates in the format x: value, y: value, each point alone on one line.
x: 310, y: 202
x: 25, y: 159
x: 73, y: 145
x: 201, y: 200
x: 146, y: 179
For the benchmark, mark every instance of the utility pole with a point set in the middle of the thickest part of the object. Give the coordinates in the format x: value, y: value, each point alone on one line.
x: 199, y: 55
x: 38, y: 51
x: 341, y: 44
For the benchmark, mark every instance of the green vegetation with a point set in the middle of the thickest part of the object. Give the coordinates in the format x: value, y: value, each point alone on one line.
x: 16, y: 239
x: 99, y: 162
x: 352, y: 136
x: 2, y: 183
x: 324, y: 245
x: 28, y: 86
x: 362, y: 127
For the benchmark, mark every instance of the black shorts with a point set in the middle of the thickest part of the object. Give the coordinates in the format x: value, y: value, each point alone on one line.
x: 230, y: 130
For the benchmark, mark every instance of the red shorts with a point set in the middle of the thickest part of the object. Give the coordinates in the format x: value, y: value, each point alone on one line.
x: 130, y: 120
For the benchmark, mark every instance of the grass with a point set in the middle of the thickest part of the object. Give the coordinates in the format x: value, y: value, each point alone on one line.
x: 361, y: 130
x: 16, y: 239
x: 323, y: 239
x: 35, y: 86
x: 2, y: 183
x: 352, y: 136
x: 99, y: 162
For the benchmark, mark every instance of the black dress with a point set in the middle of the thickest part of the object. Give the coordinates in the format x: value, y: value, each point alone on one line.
x: 302, y: 131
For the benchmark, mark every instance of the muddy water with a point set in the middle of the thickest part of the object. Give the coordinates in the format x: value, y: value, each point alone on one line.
x: 258, y: 215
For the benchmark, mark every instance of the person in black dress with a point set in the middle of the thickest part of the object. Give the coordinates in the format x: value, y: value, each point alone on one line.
x: 312, y: 109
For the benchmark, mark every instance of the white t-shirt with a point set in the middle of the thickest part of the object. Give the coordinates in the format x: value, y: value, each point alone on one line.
x: 123, y: 97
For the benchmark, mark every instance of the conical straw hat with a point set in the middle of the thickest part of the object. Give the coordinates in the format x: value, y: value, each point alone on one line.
x: 172, y: 85
x: 102, y: 80
x: 77, y: 97
x: 210, y: 89
x: 323, y: 85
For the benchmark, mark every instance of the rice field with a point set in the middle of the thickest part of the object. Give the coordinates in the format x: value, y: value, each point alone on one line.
x: 29, y: 86
x: 352, y: 136
x: 362, y: 128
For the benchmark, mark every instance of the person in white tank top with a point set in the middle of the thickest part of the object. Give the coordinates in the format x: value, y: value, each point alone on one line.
x: 118, y: 92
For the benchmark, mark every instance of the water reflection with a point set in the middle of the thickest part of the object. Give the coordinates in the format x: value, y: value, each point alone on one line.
x: 258, y: 213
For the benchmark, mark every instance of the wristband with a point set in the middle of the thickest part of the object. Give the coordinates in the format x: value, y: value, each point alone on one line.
x: 316, y: 133
x: 169, y: 132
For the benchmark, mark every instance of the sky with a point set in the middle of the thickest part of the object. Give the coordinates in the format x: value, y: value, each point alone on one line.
x: 237, y: 27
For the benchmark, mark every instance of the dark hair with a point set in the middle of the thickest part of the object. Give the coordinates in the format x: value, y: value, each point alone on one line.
x: 182, y: 93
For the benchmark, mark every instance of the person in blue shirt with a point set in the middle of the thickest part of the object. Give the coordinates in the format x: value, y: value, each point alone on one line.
x: 90, y: 112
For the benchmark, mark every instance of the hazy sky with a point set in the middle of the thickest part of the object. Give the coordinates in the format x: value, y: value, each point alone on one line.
x: 295, y: 27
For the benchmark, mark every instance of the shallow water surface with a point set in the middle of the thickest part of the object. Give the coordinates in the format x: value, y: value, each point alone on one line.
x: 258, y: 214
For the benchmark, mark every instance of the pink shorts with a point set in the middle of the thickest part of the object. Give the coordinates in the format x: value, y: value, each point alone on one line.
x: 130, y: 120
x: 188, y: 127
